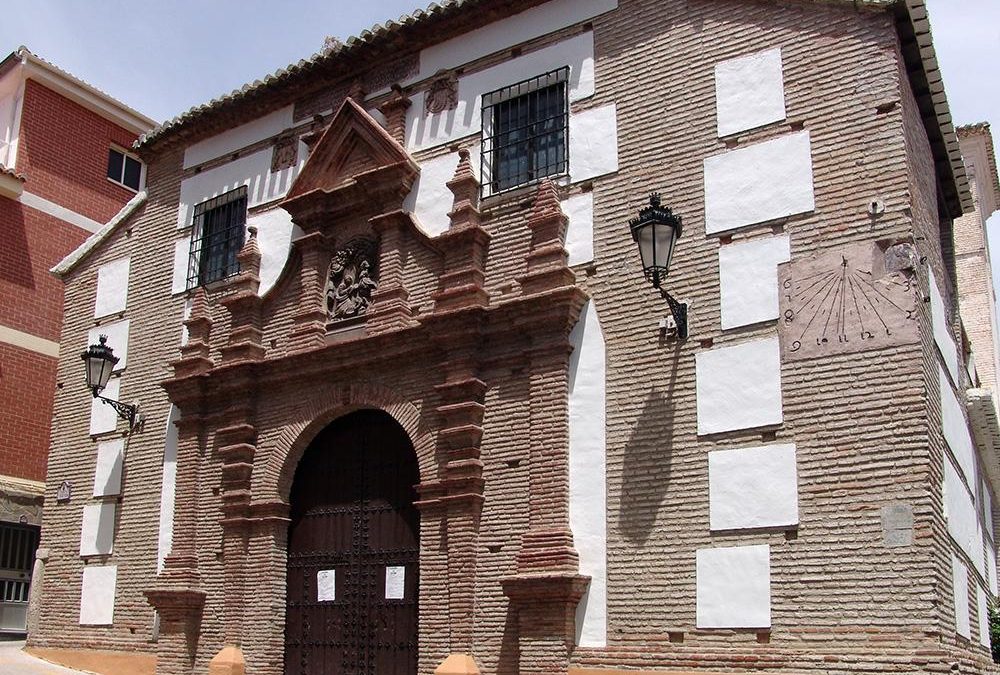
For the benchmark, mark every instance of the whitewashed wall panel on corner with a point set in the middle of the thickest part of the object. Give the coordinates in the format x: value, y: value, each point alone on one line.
x: 593, y: 143
x: 942, y: 331
x: 982, y: 615
x: 182, y: 250
x: 955, y: 429
x: 960, y: 514
x: 587, y: 472
x: 759, y: 183
x: 960, y: 583
x: 112, y: 288
x: 239, y: 137
x: 430, y: 200
x: 168, y: 489
x: 97, y: 532
x: 739, y: 387
x: 734, y: 587
x: 108, y: 472
x: 117, y: 339
x: 103, y: 417
x: 97, y: 595
x: 752, y: 488
x: 749, y: 92
x: 580, y: 230
x: 748, y: 277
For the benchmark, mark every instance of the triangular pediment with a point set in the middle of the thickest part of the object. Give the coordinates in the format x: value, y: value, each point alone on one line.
x: 352, y: 148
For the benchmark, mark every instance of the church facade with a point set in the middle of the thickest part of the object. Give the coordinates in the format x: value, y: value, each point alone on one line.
x: 408, y: 404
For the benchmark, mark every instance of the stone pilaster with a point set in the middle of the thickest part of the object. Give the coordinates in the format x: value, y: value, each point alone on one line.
x: 309, y: 329
x: 390, y: 308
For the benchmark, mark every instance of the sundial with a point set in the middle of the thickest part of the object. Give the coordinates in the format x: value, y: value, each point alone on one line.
x: 854, y: 298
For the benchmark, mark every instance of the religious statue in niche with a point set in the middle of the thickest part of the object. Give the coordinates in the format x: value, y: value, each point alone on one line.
x: 442, y: 95
x: 351, y: 280
x: 857, y: 297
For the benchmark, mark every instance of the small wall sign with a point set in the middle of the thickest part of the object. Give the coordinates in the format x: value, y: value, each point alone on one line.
x: 65, y: 491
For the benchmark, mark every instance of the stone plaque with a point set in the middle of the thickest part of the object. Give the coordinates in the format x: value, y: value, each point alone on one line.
x: 897, y: 525
x: 854, y: 298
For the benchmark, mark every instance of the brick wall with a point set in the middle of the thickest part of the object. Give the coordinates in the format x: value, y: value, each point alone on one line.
x: 27, y: 384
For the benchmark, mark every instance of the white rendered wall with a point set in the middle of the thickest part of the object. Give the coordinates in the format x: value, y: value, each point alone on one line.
x: 752, y: 488
x: 239, y: 137
x: 749, y: 92
x: 275, y: 232
x: 991, y: 568
x: 955, y: 429
x: 97, y: 531
x: 734, y: 587
x: 579, y: 209
x: 960, y: 582
x: 982, y: 614
x: 942, y: 330
x: 960, y: 514
x: 430, y: 200
x: 587, y: 472
x: 425, y: 130
x: 759, y: 183
x: 117, y: 334
x: 593, y: 143
x: 168, y: 489
x: 748, y: 277
x: 112, y: 288
x: 103, y: 417
x: 108, y: 472
x: 739, y: 387
x: 182, y: 250
x: 97, y: 595
x: 500, y: 35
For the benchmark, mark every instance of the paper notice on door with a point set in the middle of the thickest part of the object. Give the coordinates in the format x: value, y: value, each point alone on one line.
x: 326, y: 585
x: 395, y: 578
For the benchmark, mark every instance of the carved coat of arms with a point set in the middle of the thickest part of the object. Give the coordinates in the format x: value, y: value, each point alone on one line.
x: 351, y: 280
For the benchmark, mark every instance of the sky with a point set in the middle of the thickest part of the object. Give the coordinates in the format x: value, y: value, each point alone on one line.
x: 163, y: 58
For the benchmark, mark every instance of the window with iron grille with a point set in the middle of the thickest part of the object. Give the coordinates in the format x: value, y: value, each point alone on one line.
x: 216, y: 238
x: 525, y: 132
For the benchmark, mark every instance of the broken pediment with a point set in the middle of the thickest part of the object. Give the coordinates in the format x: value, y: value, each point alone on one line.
x: 355, y: 163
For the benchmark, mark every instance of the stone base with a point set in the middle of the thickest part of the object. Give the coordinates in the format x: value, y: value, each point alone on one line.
x: 229, y: 661
x: 98, y: 661
x: 458, y: 664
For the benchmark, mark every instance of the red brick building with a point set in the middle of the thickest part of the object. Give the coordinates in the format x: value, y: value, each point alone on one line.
x: 57, y: 187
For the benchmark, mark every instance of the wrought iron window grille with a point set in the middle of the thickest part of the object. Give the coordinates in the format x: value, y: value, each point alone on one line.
x: 525, y: 132
x: 217, y: 236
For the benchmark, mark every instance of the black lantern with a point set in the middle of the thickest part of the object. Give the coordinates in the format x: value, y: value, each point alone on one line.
x: 656, y: 231
x: 99, y: 361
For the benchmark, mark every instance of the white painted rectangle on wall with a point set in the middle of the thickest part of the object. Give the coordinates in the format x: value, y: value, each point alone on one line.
x: 395, y: 582
x: 739, y: 387
x: 593, y: 143
x: 734, y: 587
x: 579, y: 209
x: 986, y: 500
x: 108, y: 474
x: 991, y: 568
x: 749, y: 92
x: 97, y: 595
x: 960, y: 584
x: 982, y: 614
x: 753, y: 488
x: 960, y: 513
x: 103, y: 417
x: 748, y: 278
x: 168, y: 489
x: 326, y: 585
x: 117, y: 334
x: 759, y: 183
x: 182, y: 252
x: 943, y: 336
x: 97, y: 532
x: 239, y: 137
x: 112, y: 288
x: 955, y: 430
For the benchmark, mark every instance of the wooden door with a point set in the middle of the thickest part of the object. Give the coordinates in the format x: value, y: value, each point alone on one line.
x: 353, y: 552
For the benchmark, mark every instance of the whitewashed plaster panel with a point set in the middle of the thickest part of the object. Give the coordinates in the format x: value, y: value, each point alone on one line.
x: 579, y: 209
x: 748, y: 277
x: 986, y: 504
x: 254, y: 171
x: 593, y: 143
x: 753, y: 488
x: 239, y: 137
x: 430, y: 200
x: 955, y: 429
x: 185, y: 315
x: 97, y: 532
x: 428, y: 130
x: 960, y: 514
x: 749, y: 92
x: 734, y: 587
x: 108, y: 474
x: 182, y: 249
x: 960, y: 583
x: 942, y: 329
x: 97, y: 595
x: 758, y: 183
x: 991, y: 568
x: 103, y: 417
x: 112, y: 288
x: 117, y: 334
x: 739, y: 387
x: 168, y: 489
x: 275, y: 233
x: 587, y: 472
x: 982, y: 615
x: 500, y: 35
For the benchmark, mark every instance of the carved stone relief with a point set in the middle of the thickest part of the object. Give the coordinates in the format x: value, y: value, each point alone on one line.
x: 284, y: 154
x: 442, y: 95
x: 352, y: 278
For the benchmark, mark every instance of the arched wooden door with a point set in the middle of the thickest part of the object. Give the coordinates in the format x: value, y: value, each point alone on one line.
x: 353, y: 552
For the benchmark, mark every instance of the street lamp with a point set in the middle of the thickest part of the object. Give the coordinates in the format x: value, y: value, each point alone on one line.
x: 656, y: 231
x: 99, y: 361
